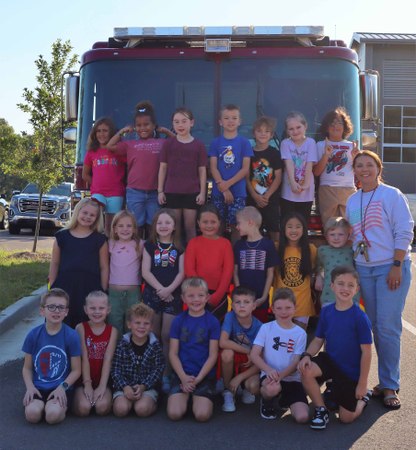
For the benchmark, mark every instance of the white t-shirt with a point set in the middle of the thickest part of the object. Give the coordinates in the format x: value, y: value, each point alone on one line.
x: 280, y: 345
x: 338, y: 170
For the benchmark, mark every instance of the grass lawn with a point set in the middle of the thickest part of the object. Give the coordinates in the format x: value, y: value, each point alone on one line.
x: 20, y: 274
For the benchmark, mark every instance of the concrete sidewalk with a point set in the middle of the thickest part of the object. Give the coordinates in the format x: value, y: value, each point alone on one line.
x: 15, y: 323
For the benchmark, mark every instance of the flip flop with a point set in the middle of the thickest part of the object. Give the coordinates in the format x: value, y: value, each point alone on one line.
x: 395, y: 404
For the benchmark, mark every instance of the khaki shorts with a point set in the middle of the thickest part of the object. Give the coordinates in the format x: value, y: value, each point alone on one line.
x: 152, y: 393
x: 333, y: 201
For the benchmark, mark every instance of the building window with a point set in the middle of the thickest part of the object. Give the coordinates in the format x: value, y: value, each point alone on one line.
x: 399, y: 134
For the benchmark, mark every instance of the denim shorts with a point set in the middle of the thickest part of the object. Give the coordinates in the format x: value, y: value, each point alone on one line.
x: 206, y: 388
x: 143, y: 204
x: 111, y: 205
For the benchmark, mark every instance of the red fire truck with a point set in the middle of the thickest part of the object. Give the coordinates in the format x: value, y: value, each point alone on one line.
x: 265, y: 70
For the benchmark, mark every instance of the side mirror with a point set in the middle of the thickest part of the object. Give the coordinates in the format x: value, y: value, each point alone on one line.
x: 369, y: 95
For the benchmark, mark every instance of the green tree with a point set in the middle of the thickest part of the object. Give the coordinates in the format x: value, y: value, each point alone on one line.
x: 40, y: 160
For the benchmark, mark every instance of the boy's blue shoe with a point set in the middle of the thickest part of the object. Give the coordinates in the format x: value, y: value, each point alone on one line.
x: 267, y: 410
x: 320, y: 418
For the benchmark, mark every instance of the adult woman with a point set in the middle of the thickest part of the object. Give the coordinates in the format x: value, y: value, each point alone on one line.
x: 382, y: 234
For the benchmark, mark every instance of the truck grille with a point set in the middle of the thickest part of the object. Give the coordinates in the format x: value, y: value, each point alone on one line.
x: 31, y: 205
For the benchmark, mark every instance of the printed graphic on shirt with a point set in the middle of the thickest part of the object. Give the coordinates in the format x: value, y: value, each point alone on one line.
x: 252, y: 259
x: 242, y: 339
x: 199, y: 336
x: 373, y: 217
x: 278, y: 344
x: 262, y: 173
x: 106, y: 161
x: 293, y: 277
x: 50, y: 363
x: 228, y: 156
x: 165, y: 258
x: 96, y: 350
x: 338, y: 159
x: 299, y: 158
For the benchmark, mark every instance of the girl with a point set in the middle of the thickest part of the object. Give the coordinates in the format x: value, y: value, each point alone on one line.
x: 338, y: 252
x: 298, y: 260
x: 142, y: 163
x: 299, y: 154
x: 79, y: 263
x: 183, y: 172
x: 103, y: 171
x: 98, y: 342
x: 334, y: 167
x: 211, y: 257
x: 382, y: 232
x: 163, y: 274
x: 125, y: 250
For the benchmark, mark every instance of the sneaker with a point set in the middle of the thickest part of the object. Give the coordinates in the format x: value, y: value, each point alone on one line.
x: 320, y: 418
x: 267, y: 410
x: 247, y: 397
x: 229, y: 404
x: 166, y: 385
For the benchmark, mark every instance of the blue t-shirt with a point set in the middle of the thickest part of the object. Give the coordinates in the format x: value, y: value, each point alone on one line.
x: 344, y: 332
x: 51, y: 355
x: 230, y: 154
x: 194, y: 335
x: 253, y: 259
x: 237, y: 333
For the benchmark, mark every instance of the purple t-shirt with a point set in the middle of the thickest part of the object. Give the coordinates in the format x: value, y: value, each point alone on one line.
x: 184, y: 161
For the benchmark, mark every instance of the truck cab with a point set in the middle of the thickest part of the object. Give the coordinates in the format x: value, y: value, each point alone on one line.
x: 56, y: 207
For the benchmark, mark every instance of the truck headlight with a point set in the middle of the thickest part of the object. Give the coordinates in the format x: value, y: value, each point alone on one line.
x: 63, y: 205
x: 13, y: 202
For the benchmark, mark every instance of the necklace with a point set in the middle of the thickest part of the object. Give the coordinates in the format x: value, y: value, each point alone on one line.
x: 162, y: 257
x: 255, y: 245
x: 364, y: 244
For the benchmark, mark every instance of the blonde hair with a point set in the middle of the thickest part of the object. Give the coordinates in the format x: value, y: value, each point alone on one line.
x: 176, y: 237
x: 195, y: 282
x: 250, y: 213
x: 139, y: 310
x: 98, y: 225
x: 135, y: 237
x: 96, y: 294
x: 336, y: 222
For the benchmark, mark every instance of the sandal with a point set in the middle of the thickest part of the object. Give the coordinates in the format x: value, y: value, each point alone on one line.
x: 377, y: 392
x: 391, y: 401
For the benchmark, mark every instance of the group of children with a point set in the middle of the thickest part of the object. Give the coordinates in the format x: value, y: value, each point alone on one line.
x: 166, y: 315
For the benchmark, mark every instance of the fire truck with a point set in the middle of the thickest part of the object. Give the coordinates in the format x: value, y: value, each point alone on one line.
x: 266, y: 70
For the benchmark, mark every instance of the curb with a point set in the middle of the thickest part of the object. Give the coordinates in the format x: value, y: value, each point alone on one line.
x: 13, y: 314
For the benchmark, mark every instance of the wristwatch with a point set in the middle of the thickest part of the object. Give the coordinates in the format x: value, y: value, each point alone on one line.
x: 397, y: 263
x: 305, y: 354
x: 65, y: 386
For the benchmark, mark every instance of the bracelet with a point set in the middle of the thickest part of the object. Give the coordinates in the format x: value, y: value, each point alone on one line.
x: 305, y: 354
x: 160, y: 192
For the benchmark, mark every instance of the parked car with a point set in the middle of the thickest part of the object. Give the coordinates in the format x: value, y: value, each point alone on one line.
x: 4, y: 213
x: 56, y: 207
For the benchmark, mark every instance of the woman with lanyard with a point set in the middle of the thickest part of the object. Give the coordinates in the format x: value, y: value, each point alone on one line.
x: 382, y: 235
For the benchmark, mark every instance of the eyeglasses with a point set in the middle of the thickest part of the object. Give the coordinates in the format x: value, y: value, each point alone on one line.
x: 53, y: 308
x: 334, y: 123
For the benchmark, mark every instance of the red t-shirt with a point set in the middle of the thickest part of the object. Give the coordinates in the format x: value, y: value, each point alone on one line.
x: 108, y: 172
x: 142, y: 162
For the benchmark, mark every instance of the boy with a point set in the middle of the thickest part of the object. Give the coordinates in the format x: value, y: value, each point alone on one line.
x: 52, y: 361
x: 276, y: 352
x: 138, y: 365
x: 255, y: 259
x: 193, y: 353
x: 265, y: 176
x: 237, y: 336
x: 346, y: 332
x: 229, y: 163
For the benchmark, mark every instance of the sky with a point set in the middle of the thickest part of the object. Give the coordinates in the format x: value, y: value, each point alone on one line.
x: 28, y: 28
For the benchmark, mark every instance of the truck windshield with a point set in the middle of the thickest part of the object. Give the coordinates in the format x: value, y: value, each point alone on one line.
x: 272, y: 86
x: 61, y: 189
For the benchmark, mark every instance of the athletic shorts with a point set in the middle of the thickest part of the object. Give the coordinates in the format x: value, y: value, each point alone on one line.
x: 343, y: 388
x: 228, y: 212
x: 111, y: 205
x: 206, y: 388
x: 46, y: 392
x: 181, y: 201
x: 270, y: 215
x: 292, y: 392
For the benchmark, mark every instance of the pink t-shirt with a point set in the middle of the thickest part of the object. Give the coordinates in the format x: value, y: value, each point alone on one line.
x: 124, y: 263
x: 108, y: 172
x: 142, y: 162
x: 183, y: 161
